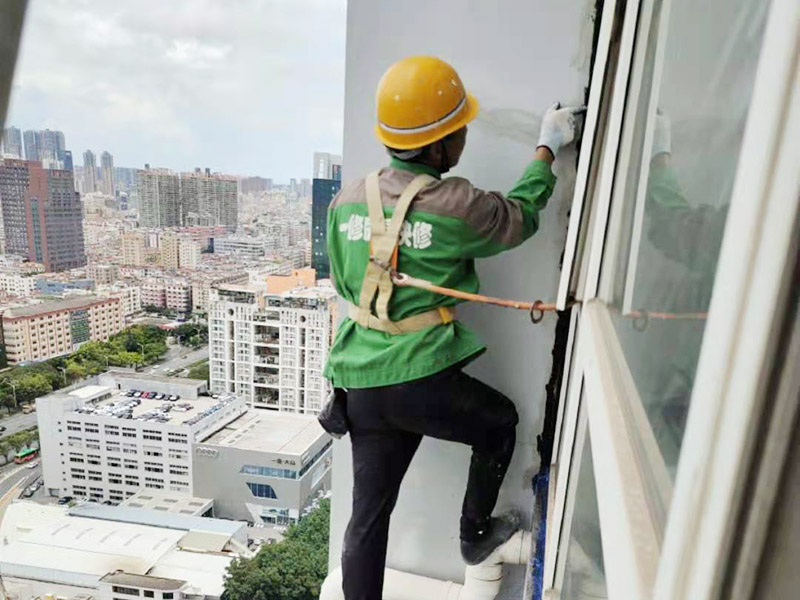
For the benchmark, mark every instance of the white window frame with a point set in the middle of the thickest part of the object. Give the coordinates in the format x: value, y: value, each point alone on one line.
x: 685, y: 558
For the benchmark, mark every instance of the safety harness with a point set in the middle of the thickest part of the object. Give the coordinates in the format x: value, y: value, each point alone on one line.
x: 383, y: 261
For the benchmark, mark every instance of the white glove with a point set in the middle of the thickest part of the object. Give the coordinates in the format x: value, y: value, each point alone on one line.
x: 558, y: 126
x: 662, y: 135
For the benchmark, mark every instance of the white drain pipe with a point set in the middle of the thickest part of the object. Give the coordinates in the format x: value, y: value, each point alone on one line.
x: 481, y: 582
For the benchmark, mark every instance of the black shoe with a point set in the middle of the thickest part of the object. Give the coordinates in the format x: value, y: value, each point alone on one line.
x: 498, y: 532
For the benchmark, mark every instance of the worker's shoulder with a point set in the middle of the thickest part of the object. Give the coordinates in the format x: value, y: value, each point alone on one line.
x: 352, y: 191
x: 450, y: 196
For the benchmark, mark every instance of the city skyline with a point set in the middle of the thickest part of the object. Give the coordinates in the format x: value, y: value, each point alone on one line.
x: 140, y: 83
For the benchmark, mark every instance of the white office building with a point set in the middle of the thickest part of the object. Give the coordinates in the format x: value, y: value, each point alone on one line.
x: 104, y: 445
x: 272, y: 348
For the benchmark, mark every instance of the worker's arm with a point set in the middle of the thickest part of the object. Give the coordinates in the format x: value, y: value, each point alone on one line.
x: 499, y: 222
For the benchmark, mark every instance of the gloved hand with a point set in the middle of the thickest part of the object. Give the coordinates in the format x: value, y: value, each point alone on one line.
x: 662, y: 135
x: 558, y: 126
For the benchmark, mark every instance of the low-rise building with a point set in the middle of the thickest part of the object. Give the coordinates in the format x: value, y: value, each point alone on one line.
x: 54, y: 328
x: 264, y: 467
x: 15, y: 284
x: 106, y: 446
x: 253, y: 247
x: 109, y: 553
x: 129, y: 295
x: 178, y: 296
x: 102, y: 274
x: 179, y: 251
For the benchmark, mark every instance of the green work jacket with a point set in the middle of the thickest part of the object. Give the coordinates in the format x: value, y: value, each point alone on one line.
x: 449, y: 225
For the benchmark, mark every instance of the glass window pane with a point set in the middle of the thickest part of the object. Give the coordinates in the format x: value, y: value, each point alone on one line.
x: 661, y: 260
x: 584, y: 573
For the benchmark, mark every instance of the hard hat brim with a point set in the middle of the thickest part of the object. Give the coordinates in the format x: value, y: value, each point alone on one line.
x: 412, y: 140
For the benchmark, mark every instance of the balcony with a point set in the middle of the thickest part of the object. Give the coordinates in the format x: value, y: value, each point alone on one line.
x: 266, y: 380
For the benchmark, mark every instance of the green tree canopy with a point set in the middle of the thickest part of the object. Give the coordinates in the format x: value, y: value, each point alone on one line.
x: 293, y: 569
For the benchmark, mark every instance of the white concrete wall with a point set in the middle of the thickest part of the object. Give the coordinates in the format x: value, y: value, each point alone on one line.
x: 517, y: 58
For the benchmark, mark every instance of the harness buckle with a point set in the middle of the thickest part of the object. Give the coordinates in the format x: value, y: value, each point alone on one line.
x: 383, y: 265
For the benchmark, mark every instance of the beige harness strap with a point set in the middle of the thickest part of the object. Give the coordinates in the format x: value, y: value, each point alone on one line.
x: 377, y: 277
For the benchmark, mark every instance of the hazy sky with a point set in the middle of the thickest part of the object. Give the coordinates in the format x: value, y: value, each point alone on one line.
x: 241, y: 86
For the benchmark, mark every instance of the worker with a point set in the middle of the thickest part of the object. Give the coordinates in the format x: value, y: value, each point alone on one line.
x: 400, y: 353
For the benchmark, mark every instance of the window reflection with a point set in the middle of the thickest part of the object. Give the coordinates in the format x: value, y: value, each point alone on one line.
x: 688, y: 124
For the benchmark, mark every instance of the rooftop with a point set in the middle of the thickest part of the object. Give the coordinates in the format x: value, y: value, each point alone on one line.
x: 154, y: 518
x: 150, y: 409
x: 59, y: 305
x: 170, y: 502
x: 143, y: 581
x: 268, y: 431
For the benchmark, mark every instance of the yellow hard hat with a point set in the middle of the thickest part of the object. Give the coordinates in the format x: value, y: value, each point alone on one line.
x: 420, y: 100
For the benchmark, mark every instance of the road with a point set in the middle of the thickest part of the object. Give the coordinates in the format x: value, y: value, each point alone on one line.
x: 13, y: 481
x: 18, y: 422
x: 178, y: 358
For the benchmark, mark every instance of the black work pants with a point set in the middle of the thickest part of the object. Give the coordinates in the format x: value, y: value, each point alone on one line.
x: 386, y: 428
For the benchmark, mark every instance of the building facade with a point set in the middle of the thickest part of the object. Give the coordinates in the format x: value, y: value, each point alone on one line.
x: 89, y: 172
x: 102, y: 274
x: 129, y: 295
x: 178, y: 251
x: 323, y: 192
x: 12, y: 142
x: 252, y: 247
x: 134, y: 248
x: 42, y: 215
x: 55, y: 328
x: 96, y: 450
x: 264, y: 467
x: 211, y: 199
x: 159, y: 198
x: 107, y: 173
x: 272, y: 348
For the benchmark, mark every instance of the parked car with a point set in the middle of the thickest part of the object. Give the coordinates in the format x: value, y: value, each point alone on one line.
x: 137, y: 394
x: 174, y: 397
x: 2, y: 428
x: 160, y: 396
x: 64, y: 500
x: 29, y: 491
x: 151, y: 395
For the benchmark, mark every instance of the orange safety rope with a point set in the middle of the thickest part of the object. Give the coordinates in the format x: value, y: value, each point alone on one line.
x: 536, y: 308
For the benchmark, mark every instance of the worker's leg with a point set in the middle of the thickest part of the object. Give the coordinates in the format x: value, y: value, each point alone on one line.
x: 456, y: 407
x: 381, y: 457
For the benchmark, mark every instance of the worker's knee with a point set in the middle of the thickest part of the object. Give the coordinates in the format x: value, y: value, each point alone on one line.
x: 507, y: 415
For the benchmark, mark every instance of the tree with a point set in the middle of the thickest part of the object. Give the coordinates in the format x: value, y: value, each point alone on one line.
x: 5, y: 448
x: 31, y: 386
x: 293, y: 569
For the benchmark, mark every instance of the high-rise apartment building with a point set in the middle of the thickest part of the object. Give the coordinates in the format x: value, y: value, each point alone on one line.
x: 272, y: 348
x: 89, y: 172
x: 52, y: 146
x: 209, y: 198
x: 323, y: 191
x: 42, y: 214
x: 327, y: 166
x: 12, y: 143
x: 159, y: 198
x: 107, y: 173
x: 31, y: 143
x: 14, y: 179
x: 45, y: 330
